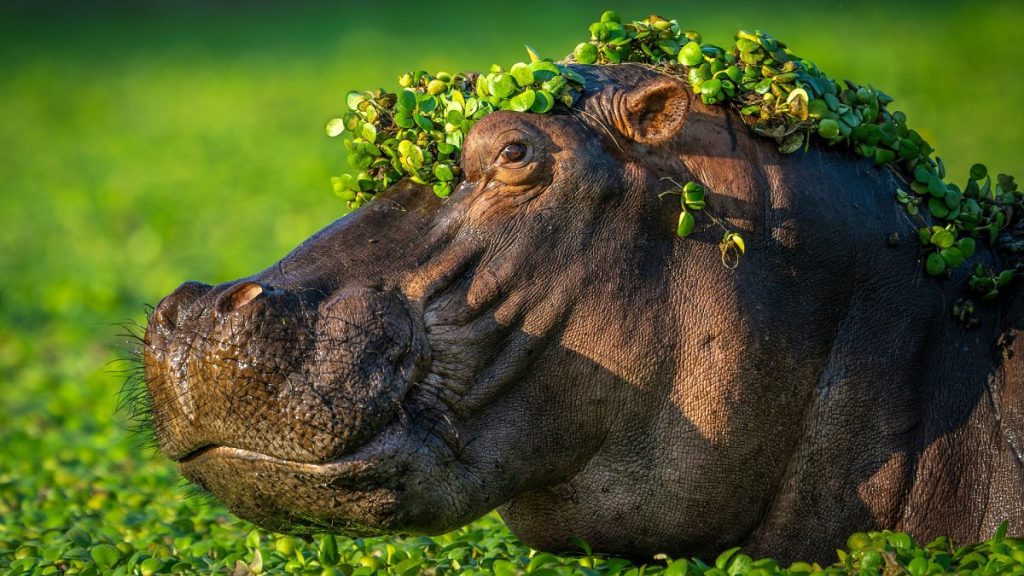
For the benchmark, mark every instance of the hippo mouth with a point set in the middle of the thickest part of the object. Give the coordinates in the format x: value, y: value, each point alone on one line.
x: 289, y: 408
x: 357, y: 493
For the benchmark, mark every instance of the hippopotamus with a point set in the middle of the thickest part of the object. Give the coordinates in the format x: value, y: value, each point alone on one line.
x: 543, y: 343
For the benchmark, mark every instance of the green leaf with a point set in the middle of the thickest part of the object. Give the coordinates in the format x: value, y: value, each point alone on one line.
x: 669, y: 47
x: 828, y: 129
x: 918, y: 566
x: 581, y: 544
x: 406, y: 101
x: 936, y: 187
x: 953, y: 257
x: 923, y: 174
x: 442, y: 189
x: 404, y: 120
x: 105, y: 556
x: 443, y: 173
x: 883, y: 156
x: 693, y: 196
x: 725, y: 558
x: 354, y: 99
x: 523, y: 101
x: 501, y: 85
x: 937, y: 208
x: 942, y: 237
x: 423, y: 122
x: 522, y: 73
x: 543, y: 102
x: 690, y: 54
x: 711, y: 88
x: 369, y: 132
x: 585, y: 53
x: 978, y: 172
x: 792, y: 143
x: 935, y: 265
x: 544, y: 71
x: 967, y: 246
x: 1004, y: 279
x: 334, y: 127
x: 734, y: 239
x: 611, y: 16
x: 328, y: 553
x: 686, y: 225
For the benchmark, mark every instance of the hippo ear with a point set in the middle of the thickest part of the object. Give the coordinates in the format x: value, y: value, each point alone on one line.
x: 655, y: 112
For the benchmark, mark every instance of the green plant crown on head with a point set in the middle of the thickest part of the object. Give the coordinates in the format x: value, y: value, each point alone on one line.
x: 419, y: 131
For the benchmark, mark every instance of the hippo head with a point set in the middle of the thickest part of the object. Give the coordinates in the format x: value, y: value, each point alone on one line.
x: 540, y: 342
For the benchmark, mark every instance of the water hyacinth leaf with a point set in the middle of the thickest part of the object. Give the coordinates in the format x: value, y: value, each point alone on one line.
x: 443, y: 173
x: 711, y: 88
x: 686, y: 224
x: 406, y: 100
x: 522, y: 73
x: 935, y: 265
x: 369, y: 132
x: 442, y: 189
x: 978, y: 172
x: 942, y: 237
x: 669, y: 47
x: 690, y: 54
x: 424, y: 122
x: 334, y: 127
x: 354, y: 99
x: 792, y: 143
x: 501, y: 85
x: 884, y: 156
x: 543, y: 102
x: 404, y: 120
x: 967, y: 247
x: 828, y: 129
x: 817, y: 108
x: 105, y: 556
x: 797, y: 103
x: 611, y: 55
x: 544, y: 71
x: 523, y: 101
x: 693, y: 196
x: 426, y: 103
x: 953, y: 257
x: 936, y: 187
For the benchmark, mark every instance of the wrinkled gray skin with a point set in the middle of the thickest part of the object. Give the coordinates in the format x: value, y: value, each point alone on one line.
x: 543, y: 343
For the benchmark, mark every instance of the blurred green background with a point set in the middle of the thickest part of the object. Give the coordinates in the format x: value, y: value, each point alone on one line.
x: 145, y: 143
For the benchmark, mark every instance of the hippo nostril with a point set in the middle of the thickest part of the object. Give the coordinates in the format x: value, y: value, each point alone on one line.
x: 168, y: 311
x: 238, y: 296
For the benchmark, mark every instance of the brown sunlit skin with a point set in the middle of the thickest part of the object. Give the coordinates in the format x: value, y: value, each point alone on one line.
x: 542, y: 342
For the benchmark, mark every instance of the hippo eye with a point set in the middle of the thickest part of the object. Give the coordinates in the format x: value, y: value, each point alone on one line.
x: 514, y: 152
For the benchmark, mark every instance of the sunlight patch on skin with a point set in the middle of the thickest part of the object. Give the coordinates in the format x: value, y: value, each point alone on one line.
x: 876, y: 491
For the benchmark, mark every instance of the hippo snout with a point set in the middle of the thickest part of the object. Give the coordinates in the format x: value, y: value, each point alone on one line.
x: 167, y: 313
x: 288, y: 374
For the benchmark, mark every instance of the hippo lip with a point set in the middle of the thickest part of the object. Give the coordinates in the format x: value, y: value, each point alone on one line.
x: 362, y: 459
x: 342, y: 465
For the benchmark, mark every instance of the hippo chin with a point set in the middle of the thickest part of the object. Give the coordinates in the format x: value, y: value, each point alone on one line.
x: 543, y: 343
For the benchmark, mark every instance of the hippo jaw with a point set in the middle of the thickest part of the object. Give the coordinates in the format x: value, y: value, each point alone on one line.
x: 288, y: 405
